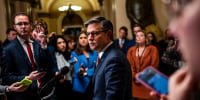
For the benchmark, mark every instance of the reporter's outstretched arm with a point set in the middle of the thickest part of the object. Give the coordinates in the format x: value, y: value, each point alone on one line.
x: 12, y: 88
x: 15, y: 88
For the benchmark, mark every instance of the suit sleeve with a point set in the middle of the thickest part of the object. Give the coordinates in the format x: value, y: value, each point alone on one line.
x: 3, y: 89
x: 116, y: 78
x: 8, y: 69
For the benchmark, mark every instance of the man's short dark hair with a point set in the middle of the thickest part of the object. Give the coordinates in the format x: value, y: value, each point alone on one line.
x: 23, y: 14
x: 105, y: 24
x: 137, y: 25
x: 10, y: 29
x: 125, y: 29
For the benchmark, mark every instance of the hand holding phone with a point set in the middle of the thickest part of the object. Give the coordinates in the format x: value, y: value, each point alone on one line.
x: 154, y: 80
x: 43, y: 69
x: 25, y: 82
x: 71, y: 61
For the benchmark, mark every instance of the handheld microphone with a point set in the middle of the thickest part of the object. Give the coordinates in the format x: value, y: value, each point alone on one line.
x: 62, y: 73
x: 48, y: 89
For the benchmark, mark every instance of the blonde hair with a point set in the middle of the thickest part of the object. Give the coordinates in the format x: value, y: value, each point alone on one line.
x: 146, y: 39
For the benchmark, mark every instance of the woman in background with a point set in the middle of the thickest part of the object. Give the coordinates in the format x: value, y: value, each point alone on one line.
x: 141, y: 56
x: 84, y: 67
x: 152, y: 39
x: 71, y: 43
x: 63, y: 90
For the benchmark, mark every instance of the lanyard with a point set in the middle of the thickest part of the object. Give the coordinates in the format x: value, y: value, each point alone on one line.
x: 139, y: 57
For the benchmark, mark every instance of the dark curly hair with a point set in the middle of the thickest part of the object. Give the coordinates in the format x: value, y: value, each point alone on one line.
x: 154, y: 41
x: 66, y: 54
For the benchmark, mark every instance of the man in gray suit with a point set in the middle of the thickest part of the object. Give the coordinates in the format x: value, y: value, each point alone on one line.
x: 112, y: 77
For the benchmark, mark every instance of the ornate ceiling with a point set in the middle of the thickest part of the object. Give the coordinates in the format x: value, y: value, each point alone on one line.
x: 51, y: 6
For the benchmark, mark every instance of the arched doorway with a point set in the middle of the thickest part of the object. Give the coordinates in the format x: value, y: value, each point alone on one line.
x: 72, y: 25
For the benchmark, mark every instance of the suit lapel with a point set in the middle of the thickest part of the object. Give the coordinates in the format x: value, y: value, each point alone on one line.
x: 36, y: 53
x: 84, y: 60
x: 101, y: 61
x: 22, y: 52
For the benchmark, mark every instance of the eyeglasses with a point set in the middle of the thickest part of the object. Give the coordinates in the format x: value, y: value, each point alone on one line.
x: 94, y: 33
x: 24, y: 23
x: 175, y: 7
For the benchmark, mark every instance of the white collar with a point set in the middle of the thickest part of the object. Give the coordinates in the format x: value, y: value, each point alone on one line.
x: 102, y: 52
x: 22, y: 41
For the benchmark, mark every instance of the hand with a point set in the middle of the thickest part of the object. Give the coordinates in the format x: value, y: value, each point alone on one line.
x: 82, y: 70
x: 39, y: 35
x: 15, y: 88
x: 50, y: 36
x: 156, y: 95
x: 182, y: 85
x: 136, y: 82
x: 75, y: 60
x: 35, y: 75
x: 61, y: 80
x: 42, y: 39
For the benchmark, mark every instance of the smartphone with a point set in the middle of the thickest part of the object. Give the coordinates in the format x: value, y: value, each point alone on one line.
x: 154, y: 80
x: 72, y: 61
x: 42, y: 69
x: 25, y: 81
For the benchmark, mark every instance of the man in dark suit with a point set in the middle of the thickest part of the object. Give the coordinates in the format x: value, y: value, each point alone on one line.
x: 122, y: 42
x: 112, y: 76
x: 20, y: 59
x: 11, y: 34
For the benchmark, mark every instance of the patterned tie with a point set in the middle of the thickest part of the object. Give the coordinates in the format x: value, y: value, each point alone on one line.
x: 30, y: 54
x: 121, y: 44
x: 97, y: 61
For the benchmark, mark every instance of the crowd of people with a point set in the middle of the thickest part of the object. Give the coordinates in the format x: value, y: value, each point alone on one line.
x: 99, y: 68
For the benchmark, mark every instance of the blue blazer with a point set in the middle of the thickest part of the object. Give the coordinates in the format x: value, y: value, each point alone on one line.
x: 16, y: 66
x: 112, y: 79
x: 80, y: 83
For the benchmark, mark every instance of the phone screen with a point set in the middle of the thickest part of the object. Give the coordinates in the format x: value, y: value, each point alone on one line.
x: 154, y: 80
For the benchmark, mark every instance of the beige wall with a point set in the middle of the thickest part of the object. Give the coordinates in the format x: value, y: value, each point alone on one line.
x: 109, y: 12
x: 118, y: 10
x: 121, y: 17
x: 160, y: 13
x: 3, y: 19
x: 51, y: 24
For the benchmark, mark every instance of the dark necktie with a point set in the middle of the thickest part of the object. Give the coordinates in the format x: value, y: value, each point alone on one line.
x: 30, y: 54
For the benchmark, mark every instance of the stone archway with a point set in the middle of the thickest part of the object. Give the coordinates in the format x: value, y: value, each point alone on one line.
x: 62, y: 16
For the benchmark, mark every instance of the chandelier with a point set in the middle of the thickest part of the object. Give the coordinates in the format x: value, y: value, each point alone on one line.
x: 70, y: 7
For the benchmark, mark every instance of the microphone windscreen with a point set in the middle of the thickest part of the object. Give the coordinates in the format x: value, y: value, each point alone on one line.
x: 64, y: 70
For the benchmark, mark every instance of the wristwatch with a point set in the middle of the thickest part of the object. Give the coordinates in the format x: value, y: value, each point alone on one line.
x: 7, y: 89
